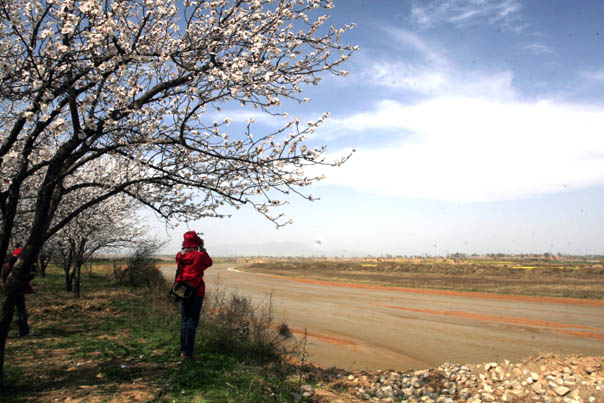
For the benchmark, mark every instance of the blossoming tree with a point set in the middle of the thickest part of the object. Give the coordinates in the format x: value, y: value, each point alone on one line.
x: 110, y: 224
x: 109, y: 97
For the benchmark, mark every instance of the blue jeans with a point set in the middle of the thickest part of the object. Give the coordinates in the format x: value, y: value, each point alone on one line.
x: 190, y: 312
x: 22, y: 314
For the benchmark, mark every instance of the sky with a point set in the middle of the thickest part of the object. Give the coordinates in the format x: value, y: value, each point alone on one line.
x: 478, y: 127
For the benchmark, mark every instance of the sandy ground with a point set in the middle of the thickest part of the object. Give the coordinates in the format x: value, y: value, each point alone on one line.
x: 369, y: 327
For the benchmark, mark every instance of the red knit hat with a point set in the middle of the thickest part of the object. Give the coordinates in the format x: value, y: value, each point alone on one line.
x: 17, y: 252
x: 191, y: 240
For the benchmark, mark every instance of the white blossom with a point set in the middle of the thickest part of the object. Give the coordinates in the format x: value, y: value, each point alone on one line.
x: 104, y: 98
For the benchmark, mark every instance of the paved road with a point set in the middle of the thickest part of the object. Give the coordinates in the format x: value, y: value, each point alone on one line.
x: 356, y: 327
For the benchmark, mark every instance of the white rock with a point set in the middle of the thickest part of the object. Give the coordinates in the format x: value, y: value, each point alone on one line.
x: 490, y: 365
x: 561, y: 390
x: 487, y: 397
x: 537, y: 388
x: 387, y: 390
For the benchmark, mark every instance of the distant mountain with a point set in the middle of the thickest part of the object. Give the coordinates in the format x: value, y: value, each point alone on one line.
x: 278, y: 249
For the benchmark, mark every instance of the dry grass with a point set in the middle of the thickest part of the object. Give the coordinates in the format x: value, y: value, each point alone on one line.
x: 542, y: 278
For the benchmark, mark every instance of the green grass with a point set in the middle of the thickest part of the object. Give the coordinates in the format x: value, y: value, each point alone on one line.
x: 116, y: 335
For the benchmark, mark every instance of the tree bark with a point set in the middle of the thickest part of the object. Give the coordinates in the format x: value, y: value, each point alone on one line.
x: 48, y: 198
x: 7, y: 302
x: 76, y: 283
x: 43, y: 261
x: 67, y: 280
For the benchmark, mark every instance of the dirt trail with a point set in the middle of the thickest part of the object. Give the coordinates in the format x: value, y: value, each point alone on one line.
x: 356, y: 326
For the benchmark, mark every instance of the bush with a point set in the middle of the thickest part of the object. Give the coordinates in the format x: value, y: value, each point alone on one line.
x: 141, y: 268
x: 241, y: 325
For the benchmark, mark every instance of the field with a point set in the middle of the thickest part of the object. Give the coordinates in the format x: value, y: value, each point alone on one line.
x: 516, y: 276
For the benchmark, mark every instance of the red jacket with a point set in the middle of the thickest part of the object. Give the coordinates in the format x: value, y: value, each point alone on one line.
x: 192, y: 263
x: 6, y: 269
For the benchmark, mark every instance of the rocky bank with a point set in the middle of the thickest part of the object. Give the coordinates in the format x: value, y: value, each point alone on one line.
x: 544, y: 378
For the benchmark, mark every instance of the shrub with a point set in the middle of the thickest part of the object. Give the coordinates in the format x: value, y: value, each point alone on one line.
x: 240, y: 324
x: 141, y: 268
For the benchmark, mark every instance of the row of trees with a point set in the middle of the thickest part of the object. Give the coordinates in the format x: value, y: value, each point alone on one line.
x: 110, y: 102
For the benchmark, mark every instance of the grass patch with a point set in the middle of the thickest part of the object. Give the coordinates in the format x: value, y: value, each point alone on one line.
x: 122, y: 343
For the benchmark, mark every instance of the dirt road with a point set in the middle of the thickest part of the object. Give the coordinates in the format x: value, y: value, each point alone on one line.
x: 368, y: 327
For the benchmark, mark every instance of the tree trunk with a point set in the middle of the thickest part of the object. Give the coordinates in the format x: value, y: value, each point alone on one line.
x: 67, y: 263
x: 9, y: 209
x: 43, y: 261
x: 76, y: 283
x: 67, y: 280
x: 7, y: 309
x: 47, y: 201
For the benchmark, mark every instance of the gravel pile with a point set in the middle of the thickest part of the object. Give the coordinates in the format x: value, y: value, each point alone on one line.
x: 540, y: 379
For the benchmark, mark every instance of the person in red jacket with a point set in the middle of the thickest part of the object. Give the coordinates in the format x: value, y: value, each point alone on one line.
x: 192, y: 261
x: 20, y: 299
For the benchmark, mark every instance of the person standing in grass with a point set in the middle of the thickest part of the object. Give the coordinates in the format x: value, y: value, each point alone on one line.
x: 192, y: 261
x: 20, y: 298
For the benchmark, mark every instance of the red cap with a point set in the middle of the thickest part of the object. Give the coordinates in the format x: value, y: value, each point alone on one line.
x: 17, y: 252
x: 191, y: 240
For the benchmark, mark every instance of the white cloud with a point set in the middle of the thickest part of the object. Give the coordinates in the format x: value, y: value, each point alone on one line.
x: 426, y: 50
x: 593, y: 75
x: 431, y: 73
x: 404, y: 76
x: 539, y: 48
x: 473, y: 149
x: 470, y: 137
x: 504, y: 13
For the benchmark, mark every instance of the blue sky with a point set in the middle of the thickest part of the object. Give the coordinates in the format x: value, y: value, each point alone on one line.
x: 478, y: 125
